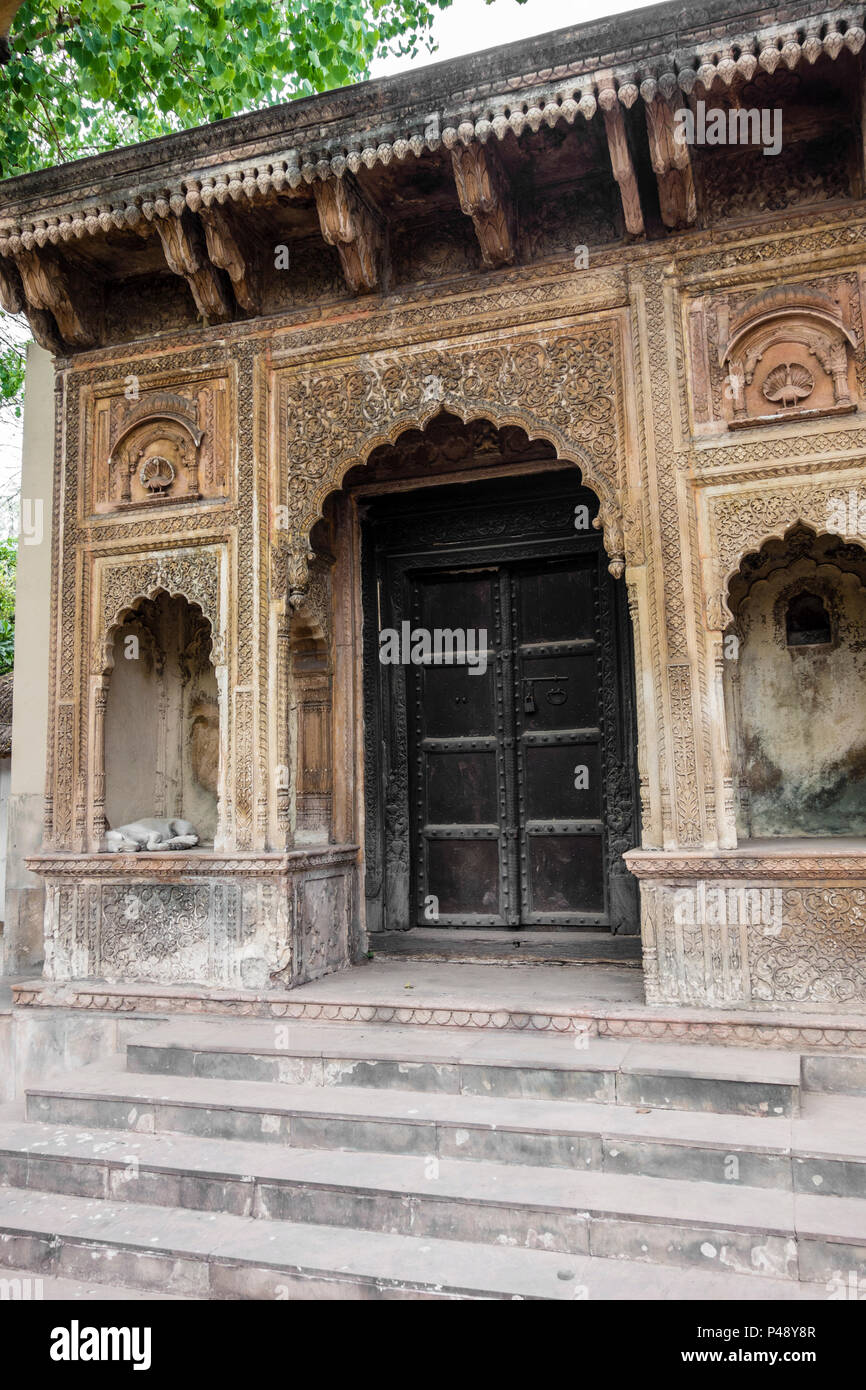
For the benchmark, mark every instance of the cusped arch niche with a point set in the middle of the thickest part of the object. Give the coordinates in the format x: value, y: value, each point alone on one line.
x: 795, y: 691
x: 449, y: 441
x: 161, y: 734
x: 789, y: 355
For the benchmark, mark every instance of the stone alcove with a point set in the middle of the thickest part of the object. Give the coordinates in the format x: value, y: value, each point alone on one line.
x: 161, y: 729
x: 789, y: 355
x: 794, y: 695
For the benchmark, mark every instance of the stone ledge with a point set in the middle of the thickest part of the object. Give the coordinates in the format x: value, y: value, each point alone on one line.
x: 757, y: 859
x: 191, y: 864
x: 738, y: 1027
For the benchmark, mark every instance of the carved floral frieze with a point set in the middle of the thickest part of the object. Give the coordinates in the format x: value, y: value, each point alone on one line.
x: 565, y: 386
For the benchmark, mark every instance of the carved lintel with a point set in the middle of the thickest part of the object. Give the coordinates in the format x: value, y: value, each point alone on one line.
x: 228, y: 250
x: 183, y: 245
x: 51, y: 288
x: 672, y: 165
x: 482, y: 188
x: 348, y: 223
x: 621, y: 160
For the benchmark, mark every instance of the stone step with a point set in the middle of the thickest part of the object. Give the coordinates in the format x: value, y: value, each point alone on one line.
x: 705, y: 1078
x: 479, y: 1128
x: 23, y: 1286
x: 821, y: 1152
x: 511, y: 947
x: 530, y: 1207
x: 835, y: 1074
x: 206, y: 1255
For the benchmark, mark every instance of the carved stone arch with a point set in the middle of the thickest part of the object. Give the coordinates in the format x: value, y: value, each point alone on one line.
x: 609, y: 518
x: 195, y: 577
x: 129, y: 612
x: 154, y: 420
x: 742, y: 523
x: 784, y: 780
x: 564, y: 387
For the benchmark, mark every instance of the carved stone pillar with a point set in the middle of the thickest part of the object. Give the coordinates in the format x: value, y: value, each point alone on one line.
x: 99, y: 824
x: 283, y: 789
x: 726, y: 828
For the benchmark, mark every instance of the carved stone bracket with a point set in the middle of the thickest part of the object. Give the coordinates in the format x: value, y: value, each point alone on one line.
x: 672, y: 165
x: 228, y: 248
x: 14, y: 301
x: 349, y: 223
x: 484, y: 196
x: 61, y: 296
x: 183, y: 244
x: 620, y: 159
x: 563, y: 386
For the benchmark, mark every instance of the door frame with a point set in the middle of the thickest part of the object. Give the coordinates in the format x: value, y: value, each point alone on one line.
x: 389, y: 832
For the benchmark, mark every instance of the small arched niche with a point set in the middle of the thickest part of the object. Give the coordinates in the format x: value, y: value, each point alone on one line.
x: 162, y: 737
x: 796, y: 694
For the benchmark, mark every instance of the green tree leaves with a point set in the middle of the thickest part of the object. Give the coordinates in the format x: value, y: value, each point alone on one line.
x: 8, y: 563
x: 87, y: 77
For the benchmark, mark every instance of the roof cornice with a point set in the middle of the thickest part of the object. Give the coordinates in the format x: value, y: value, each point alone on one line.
x: 667, y: 50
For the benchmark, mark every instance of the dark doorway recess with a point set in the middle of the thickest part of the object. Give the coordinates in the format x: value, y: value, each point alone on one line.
x: 504, y: 797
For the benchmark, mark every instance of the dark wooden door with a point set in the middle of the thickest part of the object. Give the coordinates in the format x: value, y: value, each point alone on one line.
x: 502, y: 789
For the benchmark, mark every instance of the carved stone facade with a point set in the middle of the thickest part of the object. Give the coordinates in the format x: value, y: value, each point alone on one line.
x: 705, y: 373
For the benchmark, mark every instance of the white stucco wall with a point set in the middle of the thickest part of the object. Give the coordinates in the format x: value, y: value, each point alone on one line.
x: 21, y: 942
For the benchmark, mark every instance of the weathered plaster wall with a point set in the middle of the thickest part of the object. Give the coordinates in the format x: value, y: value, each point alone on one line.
x: 21, y: 942
x: 161, y: 723
x: 803, y: 734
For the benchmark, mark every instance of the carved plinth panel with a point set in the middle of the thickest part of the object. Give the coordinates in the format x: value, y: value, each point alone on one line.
x: 153, y: 448
x: 229, y: 925
x: 755, y: 943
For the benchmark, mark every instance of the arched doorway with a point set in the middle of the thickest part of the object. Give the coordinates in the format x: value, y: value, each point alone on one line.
x: 499, y: 741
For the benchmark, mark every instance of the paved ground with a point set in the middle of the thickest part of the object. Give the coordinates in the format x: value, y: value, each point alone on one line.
x: 550, y: 988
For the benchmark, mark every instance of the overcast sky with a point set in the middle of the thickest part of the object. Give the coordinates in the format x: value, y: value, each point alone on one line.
x: 469, y: 25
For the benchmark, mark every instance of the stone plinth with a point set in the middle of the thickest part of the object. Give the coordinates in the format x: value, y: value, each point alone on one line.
x: 257, y: 921
x: 770, y: 924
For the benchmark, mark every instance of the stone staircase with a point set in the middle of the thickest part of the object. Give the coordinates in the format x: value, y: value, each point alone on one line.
x: 264, y: 1160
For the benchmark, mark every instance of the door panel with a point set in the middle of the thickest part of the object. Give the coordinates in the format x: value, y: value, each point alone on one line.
x: 502, y: 798
x: 557, y: 673
x: 456, y: 731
